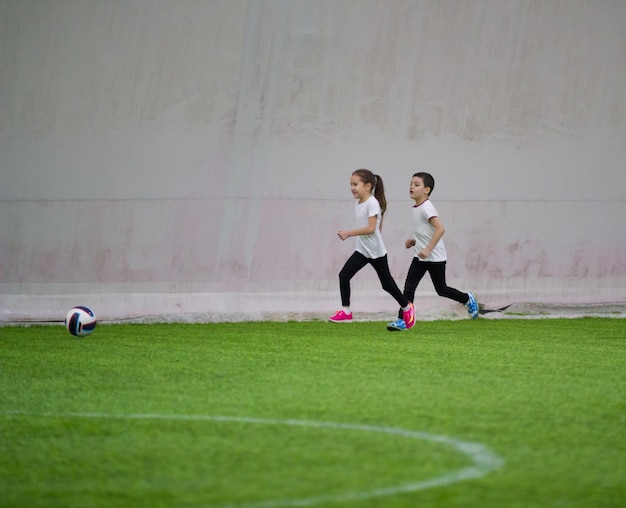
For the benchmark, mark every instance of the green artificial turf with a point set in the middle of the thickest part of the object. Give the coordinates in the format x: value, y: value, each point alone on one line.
x: 315, y: 414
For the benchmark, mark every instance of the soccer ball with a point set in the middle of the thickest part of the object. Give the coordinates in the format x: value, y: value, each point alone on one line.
x: 80, y: 321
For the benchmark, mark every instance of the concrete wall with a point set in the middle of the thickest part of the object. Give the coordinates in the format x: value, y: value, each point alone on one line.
x: 193, y: 157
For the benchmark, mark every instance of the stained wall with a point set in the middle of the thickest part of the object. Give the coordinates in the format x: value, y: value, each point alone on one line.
x: 162, y: 157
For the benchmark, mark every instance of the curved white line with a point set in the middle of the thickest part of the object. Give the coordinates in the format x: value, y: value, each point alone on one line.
x: 484, y: 459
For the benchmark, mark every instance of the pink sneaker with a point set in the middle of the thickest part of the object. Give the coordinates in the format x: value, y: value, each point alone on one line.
x: 409, y: 316
x: 341, y: 317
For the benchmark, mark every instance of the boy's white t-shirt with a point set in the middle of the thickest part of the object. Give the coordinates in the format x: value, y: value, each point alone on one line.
x: 423, y: 231
x: 371, y: 246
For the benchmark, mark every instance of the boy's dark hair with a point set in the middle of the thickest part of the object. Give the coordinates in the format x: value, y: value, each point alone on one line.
x: 428, y: 180
x: 378, y: 188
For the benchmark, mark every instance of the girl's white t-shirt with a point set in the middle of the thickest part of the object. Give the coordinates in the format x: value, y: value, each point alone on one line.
x: 371, y: 246
x: 423, y: 231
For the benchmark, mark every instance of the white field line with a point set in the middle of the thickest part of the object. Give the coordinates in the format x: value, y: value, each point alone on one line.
x: 484, y: 460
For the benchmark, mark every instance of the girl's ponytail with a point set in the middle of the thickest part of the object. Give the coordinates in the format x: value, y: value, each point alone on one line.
x: 379, y: 194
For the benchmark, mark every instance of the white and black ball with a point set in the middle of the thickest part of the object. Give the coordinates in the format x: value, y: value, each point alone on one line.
x: 80, y: 321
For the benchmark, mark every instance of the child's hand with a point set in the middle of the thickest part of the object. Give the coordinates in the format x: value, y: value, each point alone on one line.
x: 410, y: 243
x: 343, y: 234
x: 424, y: 253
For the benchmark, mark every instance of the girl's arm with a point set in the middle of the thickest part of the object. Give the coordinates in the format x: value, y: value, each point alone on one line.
x: 367, y: 230
x: 437, y: 234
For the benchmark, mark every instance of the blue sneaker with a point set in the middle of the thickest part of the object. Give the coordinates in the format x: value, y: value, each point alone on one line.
x: 472, y: 306
x: 397, y: 326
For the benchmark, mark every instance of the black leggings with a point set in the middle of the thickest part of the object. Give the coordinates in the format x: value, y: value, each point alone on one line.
x: 437, y: 271
x: 358, y: 261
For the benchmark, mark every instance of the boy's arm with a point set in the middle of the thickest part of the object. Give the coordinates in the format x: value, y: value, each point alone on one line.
x: 437, y: 234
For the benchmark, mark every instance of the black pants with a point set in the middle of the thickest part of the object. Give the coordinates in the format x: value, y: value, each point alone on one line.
x: 437, y: 271
x: 358, y: 261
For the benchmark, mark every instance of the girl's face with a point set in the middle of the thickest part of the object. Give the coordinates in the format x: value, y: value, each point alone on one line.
x: 360, y: 190
x: 417, y: 191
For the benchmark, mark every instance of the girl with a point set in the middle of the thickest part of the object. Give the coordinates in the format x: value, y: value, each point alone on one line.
x: 369, y: 245
x: 430, y: 252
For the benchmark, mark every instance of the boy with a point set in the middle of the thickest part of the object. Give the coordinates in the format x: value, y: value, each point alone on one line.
x: 430, y: 252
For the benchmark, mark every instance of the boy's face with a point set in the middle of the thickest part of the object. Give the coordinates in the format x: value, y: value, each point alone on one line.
x: 417, y: 191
